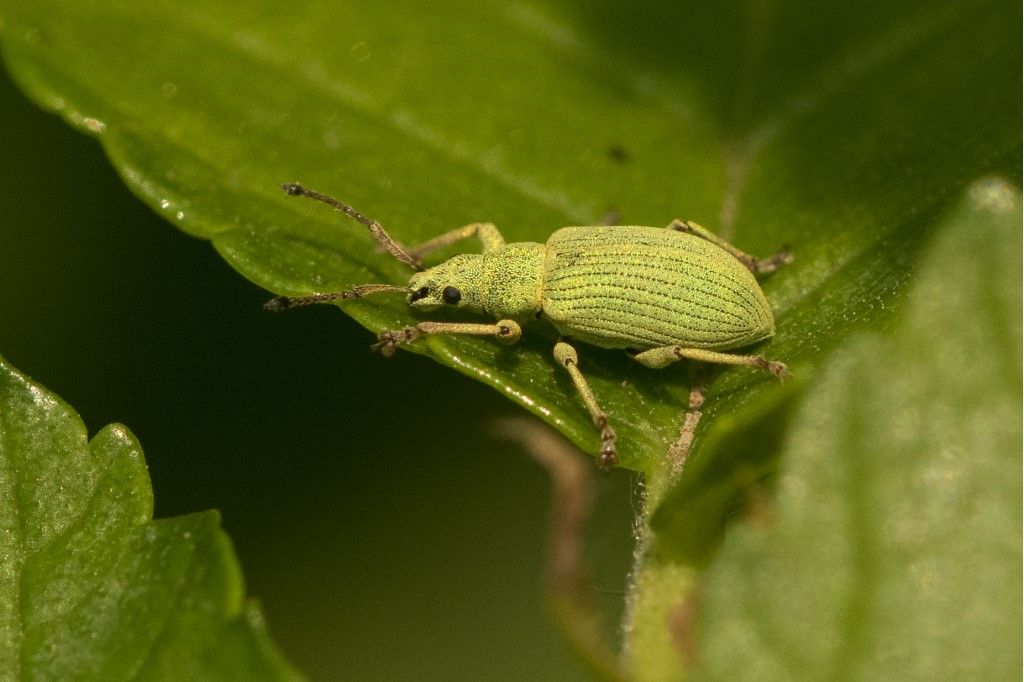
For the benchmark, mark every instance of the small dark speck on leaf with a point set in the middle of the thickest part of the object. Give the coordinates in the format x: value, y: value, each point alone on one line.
x: 618, y: 153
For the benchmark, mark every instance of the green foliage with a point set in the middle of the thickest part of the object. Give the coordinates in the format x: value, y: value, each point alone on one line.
x: 533, y: 117
x: 887, y: 543
x: 92, y: 587
x: 537, y: 115
x: 894, y: 546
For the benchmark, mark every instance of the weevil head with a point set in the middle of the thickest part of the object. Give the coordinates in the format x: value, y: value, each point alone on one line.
x: 457, y: 283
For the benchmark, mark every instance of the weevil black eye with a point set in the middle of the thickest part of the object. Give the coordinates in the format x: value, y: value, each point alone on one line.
x: 451, y: 295
x: 422, y: 292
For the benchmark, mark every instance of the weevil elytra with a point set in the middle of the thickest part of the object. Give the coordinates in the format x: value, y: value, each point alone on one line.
x: 662, y: 294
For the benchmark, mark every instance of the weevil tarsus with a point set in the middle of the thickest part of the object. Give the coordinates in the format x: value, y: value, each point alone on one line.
x: 758, y: 266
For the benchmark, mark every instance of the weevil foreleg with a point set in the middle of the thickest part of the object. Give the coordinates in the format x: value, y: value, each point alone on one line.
x: 666, y: 355
x: 758, y: 266
x: 488, y: 234
x: 376, y: 230
x: 566, y: 356
x: 276, y: 305
x: 506, y: 331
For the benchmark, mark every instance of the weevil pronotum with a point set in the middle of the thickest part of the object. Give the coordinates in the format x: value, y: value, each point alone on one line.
x: 662, y: 294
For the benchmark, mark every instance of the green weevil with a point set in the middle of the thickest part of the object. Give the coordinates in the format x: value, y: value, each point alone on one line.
x: 662, y: 294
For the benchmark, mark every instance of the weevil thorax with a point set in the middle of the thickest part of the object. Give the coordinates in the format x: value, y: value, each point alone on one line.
x: 505, y: 283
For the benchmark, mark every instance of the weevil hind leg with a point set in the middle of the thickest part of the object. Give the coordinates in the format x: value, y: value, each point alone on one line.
x: 758, y: 266
x: 666, y: 355
x: 506, y: 331
x: 566, y: 356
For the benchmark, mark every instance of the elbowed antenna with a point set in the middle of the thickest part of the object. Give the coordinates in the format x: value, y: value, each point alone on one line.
x: 376, y: 230
x: 276, y: 305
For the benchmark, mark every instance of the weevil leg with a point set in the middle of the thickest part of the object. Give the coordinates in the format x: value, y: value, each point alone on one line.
x: 376, y: 230
x: 611, y: 217
x: 759, y: 266
x: 276, y: 305
x: 666, y: 355
x: 566, y: 356
x: 488, y: 234
x: 506, y: 331
x: 680, y: 449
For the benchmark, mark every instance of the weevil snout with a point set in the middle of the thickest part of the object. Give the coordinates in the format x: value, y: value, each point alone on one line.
x: 424, y: 290
x: 456, y: 282
x: 418, y: 294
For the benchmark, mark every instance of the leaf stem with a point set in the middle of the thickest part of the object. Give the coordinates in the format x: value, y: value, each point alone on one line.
x: 658, y: 622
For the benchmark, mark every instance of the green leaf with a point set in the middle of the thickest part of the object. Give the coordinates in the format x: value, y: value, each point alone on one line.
x: 534, y: 115
x: 893, y: 546
x: 92, y: 587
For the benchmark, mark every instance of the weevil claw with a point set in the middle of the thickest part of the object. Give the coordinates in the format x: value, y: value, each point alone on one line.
x: 779, y: 369
x: 784, y: 256
x: 389, y: 339
x: 608, y: 457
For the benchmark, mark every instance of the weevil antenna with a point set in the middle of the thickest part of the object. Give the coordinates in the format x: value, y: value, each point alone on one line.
x: 376, y: 230
x: 276, y: 305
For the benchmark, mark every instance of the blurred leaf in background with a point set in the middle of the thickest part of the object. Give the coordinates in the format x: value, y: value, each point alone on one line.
x: 895, y: 541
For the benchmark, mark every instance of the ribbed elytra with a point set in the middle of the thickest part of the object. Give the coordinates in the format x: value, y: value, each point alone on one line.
x: 643, y: 287
x: 664, y: 293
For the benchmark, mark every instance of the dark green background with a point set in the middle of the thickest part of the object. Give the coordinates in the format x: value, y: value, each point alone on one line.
x: 386, y: 533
